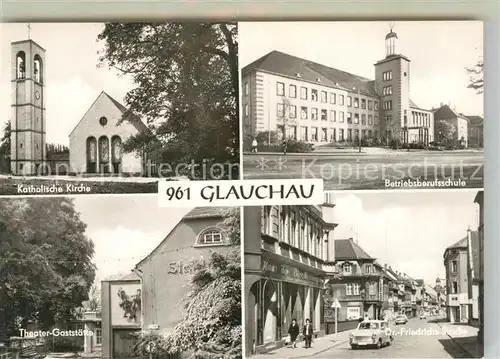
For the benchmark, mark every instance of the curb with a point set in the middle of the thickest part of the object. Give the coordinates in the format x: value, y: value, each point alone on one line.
x: 323, y: 350
x: 457, y: 343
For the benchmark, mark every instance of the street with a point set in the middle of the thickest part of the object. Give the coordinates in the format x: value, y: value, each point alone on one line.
x: 372, y: 170
x: 406, y: 345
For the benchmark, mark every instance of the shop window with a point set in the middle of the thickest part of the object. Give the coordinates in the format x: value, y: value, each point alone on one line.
x: 211, y: 236
x: 98, y: 336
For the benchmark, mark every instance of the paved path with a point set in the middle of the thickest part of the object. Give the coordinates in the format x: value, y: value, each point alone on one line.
x: 417, y: 339
x: 319, y: 346
x: 370, y: 171
x: 465, y: 336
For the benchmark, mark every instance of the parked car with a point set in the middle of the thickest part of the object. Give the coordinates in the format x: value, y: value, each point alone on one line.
x: 376, y: 333
x: 401, y: 319
x: 423, y: 315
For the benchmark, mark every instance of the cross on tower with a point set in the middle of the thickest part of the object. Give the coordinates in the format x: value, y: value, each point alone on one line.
x: 391, y: 25
x: 29, y: 31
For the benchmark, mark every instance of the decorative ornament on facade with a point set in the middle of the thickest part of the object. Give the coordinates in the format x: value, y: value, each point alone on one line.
x: 131, y: 305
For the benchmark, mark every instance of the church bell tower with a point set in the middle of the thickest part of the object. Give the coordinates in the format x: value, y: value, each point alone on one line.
x: 28, y: 120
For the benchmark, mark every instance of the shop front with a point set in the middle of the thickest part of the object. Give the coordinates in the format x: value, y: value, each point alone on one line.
x: 285, y: 291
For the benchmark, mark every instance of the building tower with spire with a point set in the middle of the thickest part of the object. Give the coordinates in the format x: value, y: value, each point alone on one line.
x: 28, y: 120
x: 392, y: 83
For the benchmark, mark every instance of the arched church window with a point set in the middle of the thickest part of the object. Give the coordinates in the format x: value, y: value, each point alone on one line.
x: 103, y: 149
x: 103, y: 121
x: 21, y: 65
x: 37, y: 69
x: 116, y: 146
x: 211, y: 236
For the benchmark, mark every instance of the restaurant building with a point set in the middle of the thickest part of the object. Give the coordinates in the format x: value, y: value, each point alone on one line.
x: 285, y: 251
x: 149, y: 298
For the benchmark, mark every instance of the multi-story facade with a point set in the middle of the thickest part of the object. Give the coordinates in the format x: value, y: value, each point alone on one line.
x: 358, y: 283
x: 479, y: 278
x: 311, y: 102
x: 286, y: 248
x: 456, y: 264
x: 457, y: 130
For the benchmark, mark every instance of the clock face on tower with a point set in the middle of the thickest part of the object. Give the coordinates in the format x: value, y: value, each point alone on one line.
x: 37, y: 95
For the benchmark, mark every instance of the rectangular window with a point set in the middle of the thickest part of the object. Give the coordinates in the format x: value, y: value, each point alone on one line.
x: 245, y: 110
x: 387, y: 105
x: 333, y: 135
x: 303, y: 133
x: 333, y: 98
x: 387, y: 75
x: 454, y: 267
x: 303, y: 113
x: 341, y: 100
x: 356, y: 102
x: 293, y: 130
x: 324, y: 96
x: 387, y: 90
x: 280, y: 110
x: 314, y: 114
x: 349, y: 117
x: 370, y: 119
x: 375, y: 105
x: 246, y: 89
x: 376, y: 120
x: 370, y: 133
x: 280, y: 88
x: 333, y: 116
x: 363, y: 119
x: 341, y: 116
x: 348, y: 289
x: 349, y: 135
x: 98, y: 336
x: 314, y: 95
x: 324, y: 115
x: 356, y: 135
x: 356, y: 118
x: 454, y: 288
x: 293, y: 111
x: 314, y: 135
x: 292, y: 91
x: 349, y: 101
x: 341, y: 134
x: 356, y: 289
x: 363, y: 104
x: 303, y: 93
x: 370, y: 104
x: 324, y: 135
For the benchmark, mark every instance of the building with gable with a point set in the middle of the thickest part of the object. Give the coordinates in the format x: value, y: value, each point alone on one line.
x: 457, y: 262
x: 149, y: 298
x: 315, y: 103
x: 95, y: 142
x: 459, y: 129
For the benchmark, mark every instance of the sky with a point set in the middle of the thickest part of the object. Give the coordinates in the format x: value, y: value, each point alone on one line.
x: 125, y: 229
x: 72, y: 79
x: 439, y: 52
x: 407, y: 230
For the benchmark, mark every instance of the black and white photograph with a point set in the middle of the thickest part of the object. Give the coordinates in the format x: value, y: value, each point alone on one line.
x: 363, y: 105
x: 115, y: 277
x: 115, y: 107
x: 366, y: 275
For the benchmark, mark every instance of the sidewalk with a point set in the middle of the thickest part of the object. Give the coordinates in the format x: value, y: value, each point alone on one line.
x: 465, y: 336
x: 319, y: 346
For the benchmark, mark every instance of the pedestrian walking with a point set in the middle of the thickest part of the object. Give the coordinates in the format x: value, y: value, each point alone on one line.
x: 254, y: 145
x: 308, y: 333
x: 284, y: 147
x: 293, y: 331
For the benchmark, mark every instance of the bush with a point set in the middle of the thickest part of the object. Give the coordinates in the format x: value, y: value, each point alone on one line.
x: 65, y: 345
x: 162, y: 349
x: 293, y: 146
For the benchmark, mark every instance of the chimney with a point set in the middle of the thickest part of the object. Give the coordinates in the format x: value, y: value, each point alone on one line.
x: 385, y: 266
x: 441, y: 104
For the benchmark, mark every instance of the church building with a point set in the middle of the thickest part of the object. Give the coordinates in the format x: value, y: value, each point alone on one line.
x: 95, y: 143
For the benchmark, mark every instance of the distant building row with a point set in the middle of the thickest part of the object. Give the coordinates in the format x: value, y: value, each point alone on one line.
x: 311, y: 102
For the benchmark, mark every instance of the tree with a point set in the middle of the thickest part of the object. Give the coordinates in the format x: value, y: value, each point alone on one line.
x: 93, y: 304
x: 267, y: 137
x: 476, y: 76
x: 211, y: 327
x: 445, y: 131
x: 284, y: 117
x: 5, y: 141
x: 45, y: 261
x: 186, y: 77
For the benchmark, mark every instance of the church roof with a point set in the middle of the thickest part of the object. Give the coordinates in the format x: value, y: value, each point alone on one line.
x: 131, y: 118
x: 291, y: 66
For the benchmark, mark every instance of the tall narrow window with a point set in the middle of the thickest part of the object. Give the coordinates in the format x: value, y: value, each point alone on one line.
x: 21, y: 65
x: 38, y: 68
